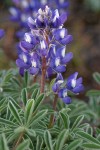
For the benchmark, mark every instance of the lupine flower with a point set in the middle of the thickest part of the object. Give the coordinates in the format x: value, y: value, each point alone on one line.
x: 25, y: 8
x: 72, y: 85
x: 1, y: 33
x: 41, y: 42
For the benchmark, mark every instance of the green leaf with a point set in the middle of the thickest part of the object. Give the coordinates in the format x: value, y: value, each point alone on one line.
x: 65, y: 119
x: 61, y: 139
x: 39, y: 143
x: 78, y: 121
x: 87, y: 137
x: 20, y: 129
x: 48, y: 140
x: 35, y: 94
x: 33, y: 87
x: 14, y: 102
x: 3, y: 143
x: 93, y: 93
x: 38, y: 101
x: 96, y: 76
x: 12, y: 137
x: 31, y: 132
x: 24, y: 145
x: 14, y: 112
x: 29, y: 110
x: 26, y: 77
x: 38, y: 116
x: 91, y: 146
x: 97, y: 130
x: 74, y: 144
x: 7, y: 77
x: 24, y: 96
x: 7, y: 122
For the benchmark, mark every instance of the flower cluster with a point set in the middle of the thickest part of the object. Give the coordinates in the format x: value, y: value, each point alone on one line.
x: 1, y: 33
x: 63, y: 89
x: 25, y: 8
x: 43, y: 49
x: 47, y: 39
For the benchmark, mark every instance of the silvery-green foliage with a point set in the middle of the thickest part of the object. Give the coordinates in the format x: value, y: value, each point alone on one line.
x: 94, y: 101
x: 27, y: 115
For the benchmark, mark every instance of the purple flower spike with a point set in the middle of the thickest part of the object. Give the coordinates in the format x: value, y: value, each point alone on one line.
x: 47, y: 39
x: 1, y: 33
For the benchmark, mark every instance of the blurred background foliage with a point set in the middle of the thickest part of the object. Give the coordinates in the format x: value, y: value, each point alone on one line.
x: 83, y: 23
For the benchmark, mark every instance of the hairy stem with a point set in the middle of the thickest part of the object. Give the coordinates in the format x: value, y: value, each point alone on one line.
x: 52, y: 115
x: 18, y: 141
x: 43, y: 74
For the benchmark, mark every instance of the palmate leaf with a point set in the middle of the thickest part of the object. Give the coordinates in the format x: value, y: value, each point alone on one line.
x: 87, y: 137
x: 29, y: 110
x: 14, y: 112
x: 61, y: 139
x: 24, y: 145
x: 48, y: 140
x: 3, y: 143
x: 74, y: 144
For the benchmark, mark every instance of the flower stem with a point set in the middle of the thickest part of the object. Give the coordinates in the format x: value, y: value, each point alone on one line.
x: 18, y: 141
x: 43, y: 74
x: 52, y: 115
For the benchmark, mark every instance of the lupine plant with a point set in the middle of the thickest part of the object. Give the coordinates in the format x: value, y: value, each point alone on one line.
x: 44, y: 115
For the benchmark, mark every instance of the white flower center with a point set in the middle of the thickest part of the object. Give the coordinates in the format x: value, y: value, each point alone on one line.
x: 47, y: 10
x: 63, y: 52
x: 40, y: 18
x: 56, y: 15
x: 23, y: 17
x: 57, y: 62
x: 60, y: 81
x: 61, y: 1
x: 24, y: 3
x: 62, y: 33
x: 24, y: 58
x: 40, y: 11
x: 27, y: 38
x: 31, y: 20
x: 43, y: 2
x: 13, y: 11
x: 64, y: 93
x: 73, y: 83
x: 43, y: 46
x: 33, y: 63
